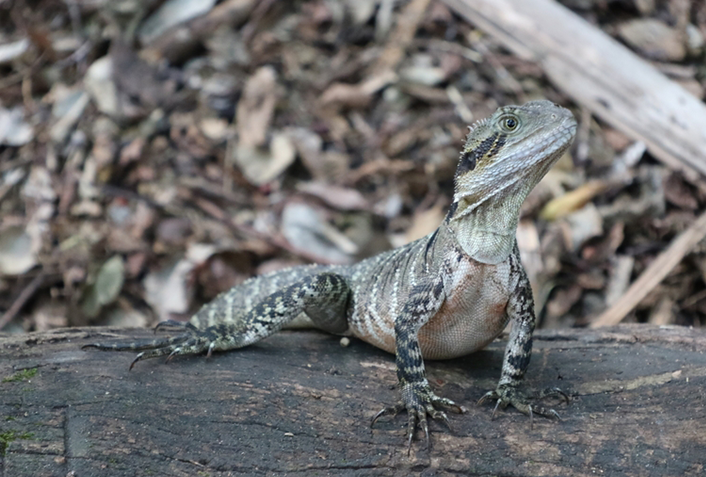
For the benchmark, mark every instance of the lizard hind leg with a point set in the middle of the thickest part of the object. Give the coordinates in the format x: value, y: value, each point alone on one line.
x: 323, y: 297
x: 152, y: 348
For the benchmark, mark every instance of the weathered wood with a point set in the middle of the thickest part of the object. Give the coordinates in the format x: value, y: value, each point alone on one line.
x: 600, y: 73
x: 300, y: 404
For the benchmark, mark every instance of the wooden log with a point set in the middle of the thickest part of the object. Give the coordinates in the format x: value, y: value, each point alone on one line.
x: 300, y: 404
x: 600, y: 73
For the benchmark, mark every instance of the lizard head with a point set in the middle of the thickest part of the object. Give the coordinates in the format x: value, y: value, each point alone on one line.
x: 507, y: 154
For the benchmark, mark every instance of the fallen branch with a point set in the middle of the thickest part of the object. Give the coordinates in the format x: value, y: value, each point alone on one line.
x: 297, y: 400
x: 601, y: 74
x: 654, y: 274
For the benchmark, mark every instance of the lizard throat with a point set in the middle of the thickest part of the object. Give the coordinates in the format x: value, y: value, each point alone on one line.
x: 485, y: 230
x: 486, y: 208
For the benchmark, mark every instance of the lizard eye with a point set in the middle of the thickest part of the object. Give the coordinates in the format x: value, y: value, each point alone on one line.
x: 509, y: 123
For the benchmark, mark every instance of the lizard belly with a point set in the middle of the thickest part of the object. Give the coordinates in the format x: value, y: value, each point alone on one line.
x: 473, y: 314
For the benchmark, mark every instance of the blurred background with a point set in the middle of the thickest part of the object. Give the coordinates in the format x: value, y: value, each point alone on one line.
x: 155, y: 153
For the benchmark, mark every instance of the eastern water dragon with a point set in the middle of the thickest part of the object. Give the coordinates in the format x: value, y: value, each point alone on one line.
x: 443, y: 296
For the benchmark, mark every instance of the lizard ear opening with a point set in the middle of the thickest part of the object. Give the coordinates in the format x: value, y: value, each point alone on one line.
x: 468, y: 161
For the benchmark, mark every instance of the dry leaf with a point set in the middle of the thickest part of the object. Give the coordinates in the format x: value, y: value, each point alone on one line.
x: 17, y: 251
x: 582, y: 225
x: 105, y: 287
x: 262, y: 165
x: 170, y: 14
x: 14, y: 130
x: 341, y: 198
x: 305, y: 229
x: 572, y: 201
x: 255, y: 108
x: 99, y: 84
x: 425, y: 222
x: 170, y: 289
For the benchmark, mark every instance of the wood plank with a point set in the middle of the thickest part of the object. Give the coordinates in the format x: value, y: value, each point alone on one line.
x: 300, y: 404
x: 600, y: 73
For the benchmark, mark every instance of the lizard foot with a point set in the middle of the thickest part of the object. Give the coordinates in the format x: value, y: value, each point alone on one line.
x: 419, y: 401
x: 191, y: 341
x: 192, y: 345
x: 508, y: 395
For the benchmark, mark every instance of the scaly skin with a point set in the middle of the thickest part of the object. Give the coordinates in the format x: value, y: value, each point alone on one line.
x: 443, y: 296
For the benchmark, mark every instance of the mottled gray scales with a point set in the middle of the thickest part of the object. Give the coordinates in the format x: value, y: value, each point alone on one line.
x: 443, y: 296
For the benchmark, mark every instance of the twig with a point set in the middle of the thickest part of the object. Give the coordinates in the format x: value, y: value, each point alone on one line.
x: 401, y: 37
x: 22, y: 299
x: 258, y: 13
x: 654, y: 274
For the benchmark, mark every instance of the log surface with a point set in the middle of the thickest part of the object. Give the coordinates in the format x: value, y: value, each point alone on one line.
x: 300, y: 404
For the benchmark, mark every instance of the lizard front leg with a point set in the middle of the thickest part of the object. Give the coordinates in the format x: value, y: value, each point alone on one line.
x: 417, y: 398
x: 518, y: 352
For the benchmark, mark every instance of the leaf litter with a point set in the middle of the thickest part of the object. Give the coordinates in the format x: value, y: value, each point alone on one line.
x: 151, y: 158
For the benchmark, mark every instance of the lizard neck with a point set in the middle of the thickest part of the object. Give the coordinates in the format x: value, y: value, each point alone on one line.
x: 486, y: 228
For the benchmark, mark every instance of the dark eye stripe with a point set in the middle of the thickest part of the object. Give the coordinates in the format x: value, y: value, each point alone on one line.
x: 498, y: 144
x: 489, y: 147
x: 469, y: 158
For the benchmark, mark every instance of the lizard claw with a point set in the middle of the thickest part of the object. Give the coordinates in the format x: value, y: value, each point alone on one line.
x: 386, y: 411
x: 419, y: 401
x: 440, y: 415
x: 134, y: 361
x: 554, y: 392
x: 174, y: 352
x: 421, y: 419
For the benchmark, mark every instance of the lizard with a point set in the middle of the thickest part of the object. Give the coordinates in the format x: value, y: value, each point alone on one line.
x: 443, y: 296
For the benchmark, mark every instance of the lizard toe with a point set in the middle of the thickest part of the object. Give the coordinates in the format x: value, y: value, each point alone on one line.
x: 554, y: 392
x: 184, y: 345
x: 138, y: 345
x: 416, y: 416
x: 438, y: 415
x: 175, y: 325
x: 506, y: 395
x: 387, y: 411
x: 447, y: 404
x: 154, y: 353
